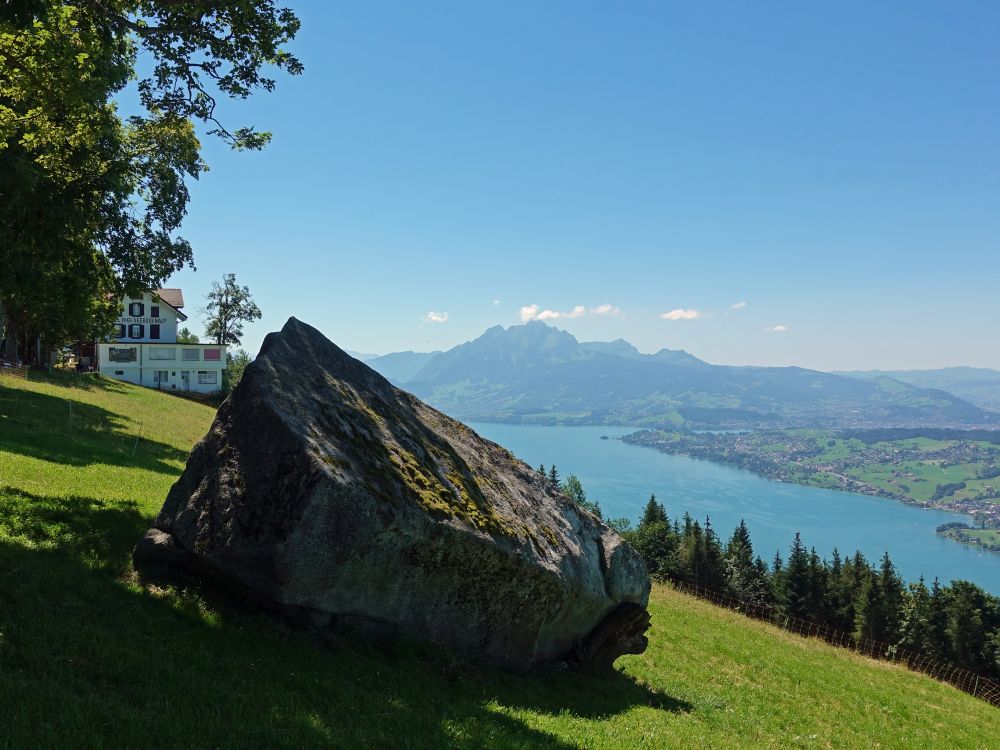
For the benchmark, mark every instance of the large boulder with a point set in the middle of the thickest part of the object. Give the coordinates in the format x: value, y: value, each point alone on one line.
x: 322, y: 490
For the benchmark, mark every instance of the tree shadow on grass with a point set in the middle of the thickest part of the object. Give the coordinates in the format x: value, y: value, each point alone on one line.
x: 86, y: 654
x: 70, y: 432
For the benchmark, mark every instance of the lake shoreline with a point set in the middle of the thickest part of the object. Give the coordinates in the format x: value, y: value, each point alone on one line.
x: 622, y: 478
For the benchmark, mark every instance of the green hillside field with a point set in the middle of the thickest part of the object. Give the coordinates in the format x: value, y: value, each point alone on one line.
x: 89, y: 658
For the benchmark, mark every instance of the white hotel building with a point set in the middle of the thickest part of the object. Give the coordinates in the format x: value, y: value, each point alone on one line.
x: 145, y: 349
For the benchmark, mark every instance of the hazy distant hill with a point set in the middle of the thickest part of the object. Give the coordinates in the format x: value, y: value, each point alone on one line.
x: 976, y: 385
x: 539, y: 374
x: 400, y: 367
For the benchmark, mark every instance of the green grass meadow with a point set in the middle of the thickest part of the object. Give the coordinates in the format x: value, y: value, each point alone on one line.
x: 90, y: 658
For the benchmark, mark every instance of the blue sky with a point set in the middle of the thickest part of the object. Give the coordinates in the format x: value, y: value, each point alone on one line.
x: 836, y: 168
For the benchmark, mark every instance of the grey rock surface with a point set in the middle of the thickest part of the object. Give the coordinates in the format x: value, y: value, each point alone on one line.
x: 323, y: 489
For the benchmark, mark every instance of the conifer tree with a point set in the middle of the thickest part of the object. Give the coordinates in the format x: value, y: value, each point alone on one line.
x: 966, y: 637
x: 891, y: 593
x: 714, y: 574
x: 654, y: 512
x: 939, y: 646
x: 797, y: 589
x: 541, y: 469
x: 744, y: 578
x: 819, y: 576
x: 553, y: 476
x: 778, y: 581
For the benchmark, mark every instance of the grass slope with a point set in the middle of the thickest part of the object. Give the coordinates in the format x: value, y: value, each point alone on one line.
x: 88, y: 658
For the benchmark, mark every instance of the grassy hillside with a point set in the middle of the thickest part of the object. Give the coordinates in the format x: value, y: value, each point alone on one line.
x: 90, y: 658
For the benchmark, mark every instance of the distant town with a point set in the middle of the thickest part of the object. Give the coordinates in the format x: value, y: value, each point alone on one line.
x: 950, y: 470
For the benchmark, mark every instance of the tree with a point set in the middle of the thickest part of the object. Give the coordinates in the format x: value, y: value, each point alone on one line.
x: 654, y: 512
x: 554, y: 476
x: 916, y: 626
x: 798, y: 594
x: 744, y: 578
x: 184, y: 336
x: 233, y: 374
x: 965, y: 629
x: 574, y: 489
x: 541, y: 470
x: 229, y: 307
x: 91, y: 202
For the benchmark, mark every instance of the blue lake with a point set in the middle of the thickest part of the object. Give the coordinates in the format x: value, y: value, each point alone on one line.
x: 621, y: 477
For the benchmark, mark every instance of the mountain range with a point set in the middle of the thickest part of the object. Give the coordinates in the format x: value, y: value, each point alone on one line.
x: 977, y: 385
x: 538, y: 374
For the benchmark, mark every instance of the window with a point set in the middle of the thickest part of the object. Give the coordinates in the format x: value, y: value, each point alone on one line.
x: 120, y: 333
x: 116, y: 354
x: 120, y: 373
x: 135, y: 330
x: 154, y: 311
x: 136, y: 309
x: 207, y: 378
x: 154, y: 330
x: 162, y: 352
x: 189, y: 355
x: 213, y: 355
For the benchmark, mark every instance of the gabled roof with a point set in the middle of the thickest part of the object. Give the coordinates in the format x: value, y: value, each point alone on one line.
x: 173, y: 297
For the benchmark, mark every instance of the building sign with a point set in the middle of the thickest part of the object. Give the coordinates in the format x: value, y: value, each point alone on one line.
x: 144, y: 321
x: 116, y: 354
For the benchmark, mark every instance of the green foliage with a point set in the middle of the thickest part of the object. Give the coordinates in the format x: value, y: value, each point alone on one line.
x: 553, y: 476
x: 960, y: 624
x: 235, y: 365
x: 90, y: 204
x: 184, y: 336
x: 90, y: 657
x: 229, y: 307
x: 574, y: 489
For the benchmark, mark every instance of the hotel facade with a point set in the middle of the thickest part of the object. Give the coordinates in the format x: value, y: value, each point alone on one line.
x: 145, y: 351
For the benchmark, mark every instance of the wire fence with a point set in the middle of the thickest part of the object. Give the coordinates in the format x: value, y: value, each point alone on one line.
x: 71, y: 429
x: 976, y: 685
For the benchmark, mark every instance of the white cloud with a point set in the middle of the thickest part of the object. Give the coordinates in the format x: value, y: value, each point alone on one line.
x: 780, y: 328
x: 681, y: 313
x: 496, y: 303
x: 738, y: 305
x: 533, y: 312
x: 434, y: 317
x: 606, y: 309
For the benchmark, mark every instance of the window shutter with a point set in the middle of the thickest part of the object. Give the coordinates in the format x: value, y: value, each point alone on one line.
x: 154, y: 330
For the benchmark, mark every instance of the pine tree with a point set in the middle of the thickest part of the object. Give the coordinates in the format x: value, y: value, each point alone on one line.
x: 654, y: 512
x: 778, y: 594
x: 840, y: 597
x: 744, y: 578
x: 940, y: 648
x: 541, y: 469
x: 891, y: 593
x: 714, y: 575
x: 869, y: 609
x: 797, y: 589
x: 553, y: 476
x: 819, y: 575
x: 966, y: 636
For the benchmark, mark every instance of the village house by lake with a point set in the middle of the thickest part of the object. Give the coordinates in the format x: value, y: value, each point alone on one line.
x: 145, y: 351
